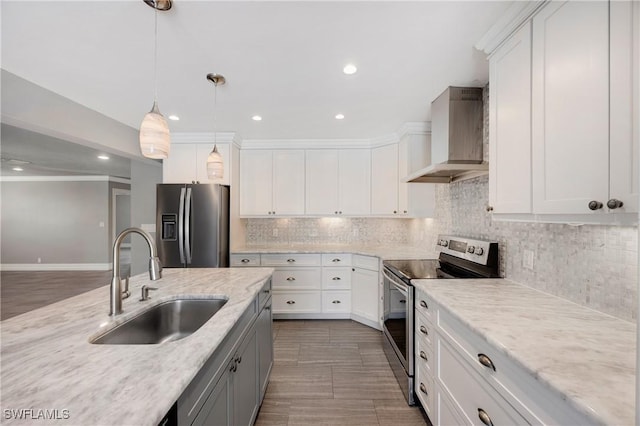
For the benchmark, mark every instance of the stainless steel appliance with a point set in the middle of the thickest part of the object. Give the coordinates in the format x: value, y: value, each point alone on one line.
x: 459, y: 258
x: 192, y: 225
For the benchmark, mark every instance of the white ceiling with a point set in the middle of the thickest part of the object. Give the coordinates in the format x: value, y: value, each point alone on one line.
x: 282, y: 60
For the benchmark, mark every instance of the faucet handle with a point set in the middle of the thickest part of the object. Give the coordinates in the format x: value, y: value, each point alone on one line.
x: 125, y: 292
x: 145, y: 292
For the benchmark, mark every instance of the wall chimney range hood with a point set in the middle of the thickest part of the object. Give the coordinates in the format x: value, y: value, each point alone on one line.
x: 456, y: 137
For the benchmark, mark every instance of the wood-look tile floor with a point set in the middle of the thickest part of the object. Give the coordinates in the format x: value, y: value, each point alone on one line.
x: 332, y: 372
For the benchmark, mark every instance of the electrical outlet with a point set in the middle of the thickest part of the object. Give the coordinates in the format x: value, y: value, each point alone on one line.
x: 274, y: 232
x: 527, y: 259
x: 356, y: 232
x: 101, y: 224
x: 39, y: 260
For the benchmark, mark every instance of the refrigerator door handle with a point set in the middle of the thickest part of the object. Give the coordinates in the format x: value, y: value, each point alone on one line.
x: 181, y: 225
x: 187, y: 226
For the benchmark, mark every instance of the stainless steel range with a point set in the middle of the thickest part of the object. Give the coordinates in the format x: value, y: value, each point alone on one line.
x: 459, y: 258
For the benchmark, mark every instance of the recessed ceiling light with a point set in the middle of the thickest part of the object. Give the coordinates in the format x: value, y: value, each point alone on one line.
x: 339, y: 116
x: 17, y: 169
x: 174, y: 117
x: 256, y: 118
x: 349, y: 69
x: 103, y: 157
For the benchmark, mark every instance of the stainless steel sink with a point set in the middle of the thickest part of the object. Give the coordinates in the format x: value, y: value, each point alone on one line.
x: 166, y: 322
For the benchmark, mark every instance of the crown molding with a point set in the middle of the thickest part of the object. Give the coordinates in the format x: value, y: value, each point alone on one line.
x: 305, y: 143
x: 64, y: 179
x: 231, y: 138
x: 510, y: 21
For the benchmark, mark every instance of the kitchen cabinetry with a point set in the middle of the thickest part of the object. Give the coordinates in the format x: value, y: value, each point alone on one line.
x: 510, y: 125
x: 272, y: 182
x: 384, y: 180
x: 188, y: 163
x: 581, y: 85
x: 229, y: 389
x: 424, y: 354
x: 338, y: 182
x: 415, y: 199
x: 365, y: 297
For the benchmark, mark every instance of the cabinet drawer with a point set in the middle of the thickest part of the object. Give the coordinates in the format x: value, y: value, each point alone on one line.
x: 336, y: 278
x: 468, y: 392
x: 425, y: 391
x: 287, y: 302
x: 336, y: 301
x: 296, y: 278
x: 291, y: 259
x: 336, y: 259
x: 425, y: 306
x: 245, y: 259
x: 365, y: 262
x: 265, y: 293
x: 424, y: 356
x: 425, y: 331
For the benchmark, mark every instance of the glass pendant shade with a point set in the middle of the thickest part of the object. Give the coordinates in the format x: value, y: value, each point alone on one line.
x: 155, y: 139
x: 215, y: 165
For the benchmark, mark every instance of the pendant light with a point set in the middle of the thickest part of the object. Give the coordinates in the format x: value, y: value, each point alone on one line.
x: 155, y: 139
x: 215, y: 164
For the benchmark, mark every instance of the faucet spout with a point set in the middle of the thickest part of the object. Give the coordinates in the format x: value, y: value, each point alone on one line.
x: 155, y: 268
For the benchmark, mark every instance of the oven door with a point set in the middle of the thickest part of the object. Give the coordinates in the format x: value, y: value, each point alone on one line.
x: 398, y: 318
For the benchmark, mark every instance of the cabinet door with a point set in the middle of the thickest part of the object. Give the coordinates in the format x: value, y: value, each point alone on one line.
x: 624, y: 149
x: 245, y: 382
x: 288, y: 182
x: 217, y: 409
x: 364, y: 294
x: 510, y: 125
x: 384, y: 180
x: 265, y: 348
x: 321, y: 174
x: 256, y: 186
x: 415, y: 199
x: 570, y: 106
x: 202, y: 153
x: 355, y: 182
x: 180, y: 167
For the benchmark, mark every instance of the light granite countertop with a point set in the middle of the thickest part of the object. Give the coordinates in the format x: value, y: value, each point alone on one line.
x: 48, y: 363
x: 385, y: 252
x: 586, y: 356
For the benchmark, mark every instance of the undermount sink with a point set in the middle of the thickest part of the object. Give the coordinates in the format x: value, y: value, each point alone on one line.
x: 166, y: 322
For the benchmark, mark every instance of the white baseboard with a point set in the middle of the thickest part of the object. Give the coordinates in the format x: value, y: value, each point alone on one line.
x: 55, y: 267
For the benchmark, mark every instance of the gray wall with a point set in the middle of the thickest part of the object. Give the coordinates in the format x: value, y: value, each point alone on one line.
x: 144, y: 178
x: 56, y: 221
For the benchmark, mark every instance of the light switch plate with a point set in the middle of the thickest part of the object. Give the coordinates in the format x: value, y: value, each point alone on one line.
x: 527, y: 259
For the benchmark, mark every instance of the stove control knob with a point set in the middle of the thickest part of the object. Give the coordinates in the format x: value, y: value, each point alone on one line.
x: 479, y: 251
x: 471, y: 249
x: 444, y: 243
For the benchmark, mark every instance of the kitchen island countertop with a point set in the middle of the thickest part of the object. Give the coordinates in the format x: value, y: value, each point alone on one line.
x: 49, y: 364
x: 586, y: 356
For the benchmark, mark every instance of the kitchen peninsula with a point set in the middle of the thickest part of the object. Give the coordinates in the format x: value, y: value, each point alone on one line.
x: 48, y: 362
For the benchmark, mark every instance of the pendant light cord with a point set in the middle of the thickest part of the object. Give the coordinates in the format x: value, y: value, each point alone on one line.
x: 215, y: 113
x: 155, y: 53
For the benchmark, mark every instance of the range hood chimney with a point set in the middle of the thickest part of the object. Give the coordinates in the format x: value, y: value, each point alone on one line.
x: 456, y: 137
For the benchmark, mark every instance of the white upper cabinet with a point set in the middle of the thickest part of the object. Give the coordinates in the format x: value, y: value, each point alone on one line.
x: 187, y: 163
x: 510, y: 125
x: 272, y: 182
x: 384, y: 180
x: 582, y: 109
x: 338, y: 182
x: 415, y: 199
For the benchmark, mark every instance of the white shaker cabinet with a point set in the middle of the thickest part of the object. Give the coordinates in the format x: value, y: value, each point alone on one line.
x: 365, y: 299
x: 272, y: 182
x: 510, y: 125
x: 187, y: 163
x: 415, y: 199
x: 582, y: 108
x: 338, y: 182
x: 384, y: 180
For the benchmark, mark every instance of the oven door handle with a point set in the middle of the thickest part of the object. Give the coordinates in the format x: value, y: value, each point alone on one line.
x: 443, y: 274
x: 402, y: 287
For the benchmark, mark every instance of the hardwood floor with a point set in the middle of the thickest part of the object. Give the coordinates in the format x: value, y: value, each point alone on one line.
x: 332, y: 372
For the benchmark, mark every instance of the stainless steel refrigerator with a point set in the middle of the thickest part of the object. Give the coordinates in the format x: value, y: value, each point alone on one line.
x: 192, y: 225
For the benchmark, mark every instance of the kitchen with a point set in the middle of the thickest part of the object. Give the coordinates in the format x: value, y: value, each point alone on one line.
x: 593, y: 265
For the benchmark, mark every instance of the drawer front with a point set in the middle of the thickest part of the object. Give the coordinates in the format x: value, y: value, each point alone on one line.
x: 425, y: 391
x: 296, y: 278
x: 337, y: 259
x: 425, y: 306
x: 365, y: 262
x: 336, y: 278
x: 424, y: 355
x: 425, y: 331
x: 292, y: 259
x: 245, y: 259
x: 265, y: 293
x: 473, y: 396
x: 336, y: 301
x: 289, y: 302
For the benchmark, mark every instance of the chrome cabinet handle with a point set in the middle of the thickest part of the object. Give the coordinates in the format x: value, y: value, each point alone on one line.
x: 268, y: 308
x: 423, y: 330
x: 266, y: 291
x: 423, y: 355
x: 595, y: 205
x: 486, y: 361
x: 336, y: 278
x: 245, y: 261
x: 291, y: 302
x: 403, y: 301
x: 291, y: 260
x: 424, y: 304
x: 614, y: 204
x: 336, y: 301
x: 336, y: 260
x: 489, y: 208
x: 423, y: 388
x: 484, y: 417
x: 291, y: 279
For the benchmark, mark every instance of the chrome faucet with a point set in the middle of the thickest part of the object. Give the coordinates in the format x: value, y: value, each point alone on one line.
x: 155, y: 269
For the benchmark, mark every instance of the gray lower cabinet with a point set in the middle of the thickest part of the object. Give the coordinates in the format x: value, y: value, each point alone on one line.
x: 228, y: 390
